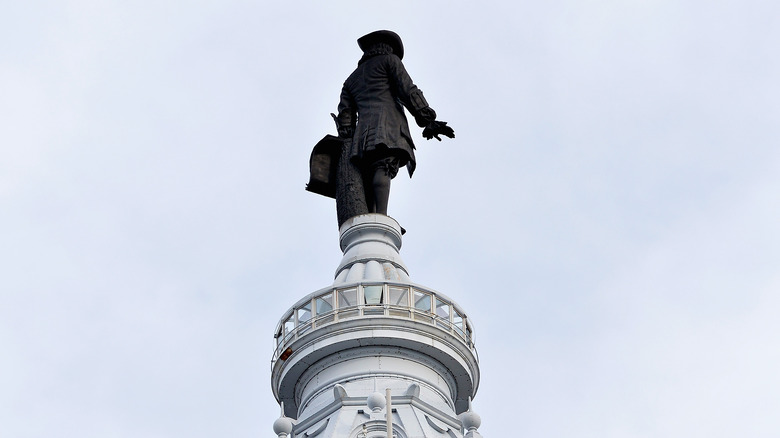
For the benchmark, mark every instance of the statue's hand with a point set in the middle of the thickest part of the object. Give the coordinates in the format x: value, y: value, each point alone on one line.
x: 436, y: 128
x: 343, y: 131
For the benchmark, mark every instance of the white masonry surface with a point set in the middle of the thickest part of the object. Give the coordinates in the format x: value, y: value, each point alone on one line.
x: 339, y: 350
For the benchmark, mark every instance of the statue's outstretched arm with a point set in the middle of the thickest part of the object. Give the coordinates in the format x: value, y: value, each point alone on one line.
x: 414, y: 100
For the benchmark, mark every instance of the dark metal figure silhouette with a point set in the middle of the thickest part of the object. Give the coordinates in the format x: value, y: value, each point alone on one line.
x: 374, y: 139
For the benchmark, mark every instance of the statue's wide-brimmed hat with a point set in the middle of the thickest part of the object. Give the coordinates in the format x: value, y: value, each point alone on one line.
x: 382, y: 36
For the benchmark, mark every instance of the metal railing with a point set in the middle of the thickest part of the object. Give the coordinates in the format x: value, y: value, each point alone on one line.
x: 371, y: 300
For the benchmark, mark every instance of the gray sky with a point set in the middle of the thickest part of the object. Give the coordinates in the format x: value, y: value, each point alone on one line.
x: 607, y: 214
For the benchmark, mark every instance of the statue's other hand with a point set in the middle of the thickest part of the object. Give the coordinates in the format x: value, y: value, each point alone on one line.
x: 343, y: 131
x: 437, y: 128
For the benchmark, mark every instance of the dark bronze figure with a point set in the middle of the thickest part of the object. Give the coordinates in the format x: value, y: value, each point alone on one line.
x: 374, y: 133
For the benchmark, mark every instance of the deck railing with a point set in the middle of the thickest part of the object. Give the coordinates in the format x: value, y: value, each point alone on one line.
x: 372, y: 300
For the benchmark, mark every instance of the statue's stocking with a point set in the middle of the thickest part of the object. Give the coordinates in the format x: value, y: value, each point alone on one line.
x: 381, y: 188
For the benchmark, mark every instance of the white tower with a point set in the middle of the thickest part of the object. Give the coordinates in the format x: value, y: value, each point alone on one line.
x: 375, y: 354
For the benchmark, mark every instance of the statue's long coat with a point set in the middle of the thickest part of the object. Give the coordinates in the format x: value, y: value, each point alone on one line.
x: 377, y: 91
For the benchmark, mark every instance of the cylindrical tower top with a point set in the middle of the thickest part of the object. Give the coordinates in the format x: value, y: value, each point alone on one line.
x: 374, y: 329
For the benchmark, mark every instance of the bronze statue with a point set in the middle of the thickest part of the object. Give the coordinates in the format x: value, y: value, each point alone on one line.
x: 374, y: 138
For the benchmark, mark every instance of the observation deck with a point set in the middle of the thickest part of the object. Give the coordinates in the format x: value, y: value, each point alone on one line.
x: 371, y: 300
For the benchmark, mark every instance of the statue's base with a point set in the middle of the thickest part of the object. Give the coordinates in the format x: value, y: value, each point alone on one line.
x: 371, y: 244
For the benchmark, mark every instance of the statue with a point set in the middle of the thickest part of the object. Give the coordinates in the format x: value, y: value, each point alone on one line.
x: 374, y: 140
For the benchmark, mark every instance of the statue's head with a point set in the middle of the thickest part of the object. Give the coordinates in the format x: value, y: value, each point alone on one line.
x: 382, y: 36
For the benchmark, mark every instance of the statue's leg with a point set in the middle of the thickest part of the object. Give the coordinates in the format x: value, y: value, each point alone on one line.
x: 368, y: 186
x: 350, y: 194
x: 381, y: 190
x: 382, y: 173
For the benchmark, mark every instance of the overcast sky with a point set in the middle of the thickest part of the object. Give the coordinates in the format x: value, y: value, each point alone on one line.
x: 607, y: 215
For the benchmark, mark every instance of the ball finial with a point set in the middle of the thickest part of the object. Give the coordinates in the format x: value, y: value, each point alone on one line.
x: 376, y: 401
x: 283, y: 425
x: 470, y: 419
